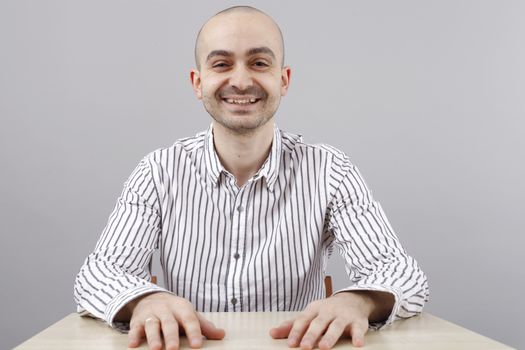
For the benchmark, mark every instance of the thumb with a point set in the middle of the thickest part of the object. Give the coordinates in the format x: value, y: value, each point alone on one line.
x: 209, y: 330
x: 282, y: 330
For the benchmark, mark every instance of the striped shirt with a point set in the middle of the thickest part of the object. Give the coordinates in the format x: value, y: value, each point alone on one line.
x: 260, y: 247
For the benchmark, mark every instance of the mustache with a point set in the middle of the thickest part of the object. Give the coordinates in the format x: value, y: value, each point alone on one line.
x: 254, y: 91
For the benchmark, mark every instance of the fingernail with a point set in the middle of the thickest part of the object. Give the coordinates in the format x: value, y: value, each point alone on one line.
x: 359, y: 342
x: 195, y: 342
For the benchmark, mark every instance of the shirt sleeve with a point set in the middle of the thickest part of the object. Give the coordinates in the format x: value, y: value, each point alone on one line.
x: 119, y: 269
x: 374, y: 257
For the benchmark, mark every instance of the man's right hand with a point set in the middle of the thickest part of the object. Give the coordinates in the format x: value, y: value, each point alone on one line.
x: 164, y: 314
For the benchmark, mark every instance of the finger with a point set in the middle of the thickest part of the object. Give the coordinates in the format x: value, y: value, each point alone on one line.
x: 209, y: 330
x: 189, y: 321
x: 170, y: 332
x: 152, y: 327
x: 282, y: 331
x: 358, y: 330
x: 135, y: 335
x: 299, y: 327
x: 316, y: 328
x: 333, y: 333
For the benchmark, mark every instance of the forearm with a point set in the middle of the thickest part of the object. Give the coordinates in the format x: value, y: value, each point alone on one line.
x: 118, y: 270
x: 374, y: 257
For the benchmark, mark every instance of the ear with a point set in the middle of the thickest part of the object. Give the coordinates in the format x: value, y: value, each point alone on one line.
x: 285, y: 79
x: 195, y: 79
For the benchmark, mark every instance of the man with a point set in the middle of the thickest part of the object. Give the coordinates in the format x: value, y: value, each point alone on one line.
x: 245, y: 215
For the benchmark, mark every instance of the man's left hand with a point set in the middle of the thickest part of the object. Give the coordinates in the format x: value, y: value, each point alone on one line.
x: 346, y: 313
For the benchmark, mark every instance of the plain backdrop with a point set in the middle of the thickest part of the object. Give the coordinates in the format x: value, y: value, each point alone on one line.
x: 426, y: 97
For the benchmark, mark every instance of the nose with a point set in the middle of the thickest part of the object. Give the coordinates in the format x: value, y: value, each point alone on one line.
x: 241, y: 77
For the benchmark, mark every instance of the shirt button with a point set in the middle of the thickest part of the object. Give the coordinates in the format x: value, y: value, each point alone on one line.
x: 236, y: 255
x: 240, y: 208
x: 234, y: 301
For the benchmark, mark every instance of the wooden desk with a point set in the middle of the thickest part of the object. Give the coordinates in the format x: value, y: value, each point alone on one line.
x: 249, y: 330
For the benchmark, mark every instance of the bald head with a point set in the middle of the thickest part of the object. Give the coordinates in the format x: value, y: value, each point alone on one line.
x: 237, y: 14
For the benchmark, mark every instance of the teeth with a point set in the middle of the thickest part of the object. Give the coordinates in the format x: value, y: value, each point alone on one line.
x: 241, y: 102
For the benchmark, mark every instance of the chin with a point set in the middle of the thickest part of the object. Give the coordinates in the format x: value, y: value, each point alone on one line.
x: 242, y: 126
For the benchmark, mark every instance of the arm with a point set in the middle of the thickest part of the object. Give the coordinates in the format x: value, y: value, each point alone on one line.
x: 118, y: 270
x: 113, y: 284
x: 375, y: 259
x: 388, y: 284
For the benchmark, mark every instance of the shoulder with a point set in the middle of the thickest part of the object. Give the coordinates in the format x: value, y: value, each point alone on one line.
x: 182, y: 148
x: 295, y: 143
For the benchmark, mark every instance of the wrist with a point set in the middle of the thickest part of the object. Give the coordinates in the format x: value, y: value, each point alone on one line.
x: 360, y: 299
x: 376, y: 305
x: 125, y: 313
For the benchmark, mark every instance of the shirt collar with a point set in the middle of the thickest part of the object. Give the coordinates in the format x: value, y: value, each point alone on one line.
x: 269, y: 169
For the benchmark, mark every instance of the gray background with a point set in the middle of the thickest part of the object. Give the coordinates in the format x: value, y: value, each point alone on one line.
x: 427, y: 98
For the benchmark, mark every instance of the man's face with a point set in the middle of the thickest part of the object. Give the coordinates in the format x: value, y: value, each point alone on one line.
x: 240, y: 80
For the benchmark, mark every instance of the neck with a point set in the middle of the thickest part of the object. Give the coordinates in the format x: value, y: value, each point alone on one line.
x: 243, y: 154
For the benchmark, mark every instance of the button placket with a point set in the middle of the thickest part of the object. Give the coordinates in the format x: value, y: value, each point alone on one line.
x: 236, y: 239
x: 239, y: 207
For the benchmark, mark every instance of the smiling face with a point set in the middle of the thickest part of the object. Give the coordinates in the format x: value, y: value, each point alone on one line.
x: 240, y: 77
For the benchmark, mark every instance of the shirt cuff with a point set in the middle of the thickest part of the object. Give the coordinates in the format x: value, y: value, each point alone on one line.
x: 375, y: 326
x: 115, y: 305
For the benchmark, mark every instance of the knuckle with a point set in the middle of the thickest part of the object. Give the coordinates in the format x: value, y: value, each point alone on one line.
x: 310, y: 334
x: 171, y: 339
x: 320, y: 320
x: 361, y: 323
x: 189, y: 319
x: 134, y: 323
x: 192, y: 328
x: 356, y: 328
x: 153, y: 340
x: 168, y: 321
x: 299, y: 321
x: 346, y: 320
x: 298, y: 328
x: 340, y: 323
x: 133, y: 334
x: 302, y: 319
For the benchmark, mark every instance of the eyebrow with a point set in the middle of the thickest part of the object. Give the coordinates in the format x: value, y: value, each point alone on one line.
x: 250, y: 52
x: 262, y: 49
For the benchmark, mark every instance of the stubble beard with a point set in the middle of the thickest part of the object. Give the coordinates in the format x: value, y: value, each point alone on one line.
x: 246, y: 127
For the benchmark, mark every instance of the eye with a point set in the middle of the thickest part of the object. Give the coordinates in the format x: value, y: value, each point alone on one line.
x: 220, y: 65
x: 261, y: 64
